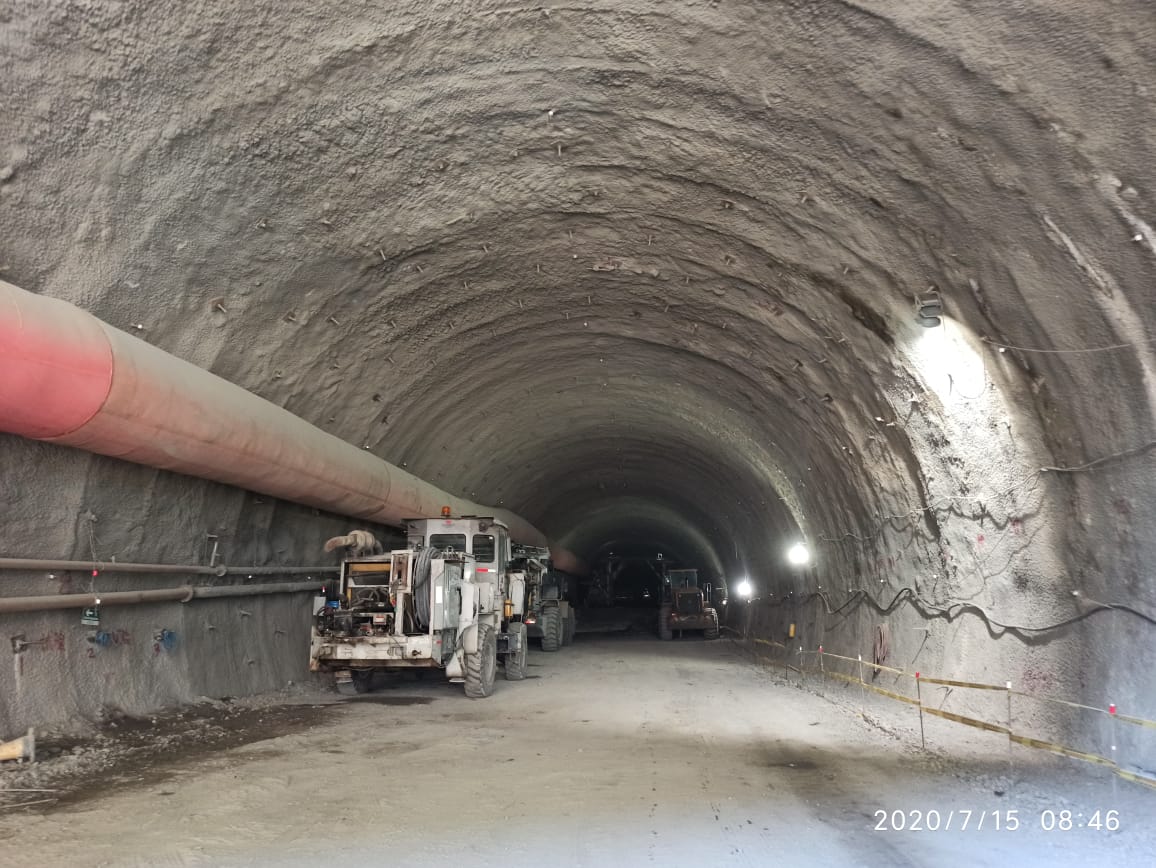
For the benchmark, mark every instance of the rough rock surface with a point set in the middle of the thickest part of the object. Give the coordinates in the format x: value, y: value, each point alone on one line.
x: 640, y: 272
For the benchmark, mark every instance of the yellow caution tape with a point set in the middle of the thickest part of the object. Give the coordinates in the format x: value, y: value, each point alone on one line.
x: 984, y: 725
x: 1127, y: 718
x: 849, y: 679
x: 772, y: 644
x: 1066, y: 702
x: 840, y: 657
x: 1137, y: 779
x: 1138, y: 721
x: 856, y: 660
x: 1060, y: 749
x: 888, y: 693
x: 880, y: 666
x: 972, y: 684
x: 970, y: 721
x: 967, y: 721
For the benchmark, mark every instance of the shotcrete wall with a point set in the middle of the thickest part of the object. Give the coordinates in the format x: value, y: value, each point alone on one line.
x: 648, y: 271
x: 65, y: 504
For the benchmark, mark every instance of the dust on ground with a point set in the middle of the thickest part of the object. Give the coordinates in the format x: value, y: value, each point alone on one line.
x: 122, y: 751
x: 622, y: 751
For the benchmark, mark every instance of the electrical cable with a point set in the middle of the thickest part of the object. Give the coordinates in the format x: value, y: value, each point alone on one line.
x: 951, y: 380
x: 941, y: 504
x: 955, y: 609
x: 881, y: 648
x: 1103, y: 349
x: 421, y: 585
x: 951, y: 499
x: 1138, y: 450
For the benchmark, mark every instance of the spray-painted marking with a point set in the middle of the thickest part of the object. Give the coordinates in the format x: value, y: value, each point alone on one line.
x: 53, y: 641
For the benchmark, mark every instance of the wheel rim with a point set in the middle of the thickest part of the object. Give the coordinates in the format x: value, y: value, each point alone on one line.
x: 489, y: 662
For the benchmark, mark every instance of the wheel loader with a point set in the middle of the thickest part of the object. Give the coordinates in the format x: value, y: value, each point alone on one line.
x: 449, y: 602
x: 686, y: 606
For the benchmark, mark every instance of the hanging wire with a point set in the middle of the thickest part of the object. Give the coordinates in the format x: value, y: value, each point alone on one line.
x: 983, y: 359
x: 1103, y: 349
x: 955, y: 609
x: 1127, y: 453
x: 950, y: 500
x: 938, y: 506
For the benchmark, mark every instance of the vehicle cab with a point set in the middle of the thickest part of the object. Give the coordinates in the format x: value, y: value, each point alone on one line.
x: 486, y: 539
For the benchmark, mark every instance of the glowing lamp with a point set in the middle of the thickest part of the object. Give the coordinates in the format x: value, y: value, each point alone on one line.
x: 798, y: 555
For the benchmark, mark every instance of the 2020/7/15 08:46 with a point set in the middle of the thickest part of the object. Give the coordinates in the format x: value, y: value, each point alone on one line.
x: 1001, y: 821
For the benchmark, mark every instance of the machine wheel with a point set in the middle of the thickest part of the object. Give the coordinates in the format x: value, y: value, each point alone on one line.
x: 569, y: 628
x: 516, y: 662
x: 664, y: 631
x: 712, y: 631
x: 359, y: 684
x: 551, y: 629
x: 482, y: 666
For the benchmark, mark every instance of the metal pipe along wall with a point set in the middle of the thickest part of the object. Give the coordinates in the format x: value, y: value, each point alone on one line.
x: 181, y: 594
x: 30, y: 564
x: 68, y: 378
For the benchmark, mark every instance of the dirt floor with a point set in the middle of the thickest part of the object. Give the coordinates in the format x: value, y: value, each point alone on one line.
x: 619, y: 751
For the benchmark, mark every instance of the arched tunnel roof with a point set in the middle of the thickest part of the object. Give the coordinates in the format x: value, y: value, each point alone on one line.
x: 638, y: 272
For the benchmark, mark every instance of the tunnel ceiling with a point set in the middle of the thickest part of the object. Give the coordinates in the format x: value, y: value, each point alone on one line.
x: 638, y: 271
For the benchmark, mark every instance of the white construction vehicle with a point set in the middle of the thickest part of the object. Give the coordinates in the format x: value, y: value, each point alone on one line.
x: 456, y: 599
x: 549, y: 615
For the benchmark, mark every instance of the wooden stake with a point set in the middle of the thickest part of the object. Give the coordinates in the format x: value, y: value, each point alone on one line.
x: 23, y: 748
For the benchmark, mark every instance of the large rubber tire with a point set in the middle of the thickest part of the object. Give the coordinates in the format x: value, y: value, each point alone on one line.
x: 664, y: 631
x: 551, y: 620
x: 516, y: 662
x: 569, y: 628
x: 359, y: 684
x: 482, y: 667
x: 712, y: 631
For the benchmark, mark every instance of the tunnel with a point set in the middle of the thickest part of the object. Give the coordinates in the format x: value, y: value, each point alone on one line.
x: 710, y: 280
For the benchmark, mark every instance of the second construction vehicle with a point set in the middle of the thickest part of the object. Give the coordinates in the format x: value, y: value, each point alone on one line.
x: 686, y: 606
x: 549, y: 615
x: 456, y: 599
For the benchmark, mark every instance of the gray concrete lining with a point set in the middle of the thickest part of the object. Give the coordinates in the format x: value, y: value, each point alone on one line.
x: 691, y: 286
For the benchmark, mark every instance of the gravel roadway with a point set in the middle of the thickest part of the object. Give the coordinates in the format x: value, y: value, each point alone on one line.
x: 618, y: 751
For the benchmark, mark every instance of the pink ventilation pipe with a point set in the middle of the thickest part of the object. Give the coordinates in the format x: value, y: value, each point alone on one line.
x: 68, y: 378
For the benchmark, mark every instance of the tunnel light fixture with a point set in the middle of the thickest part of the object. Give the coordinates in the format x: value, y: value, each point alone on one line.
x: 952, y: 366
x: 744, y: 589
x: 929, y: 309
x: 798, y: 555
